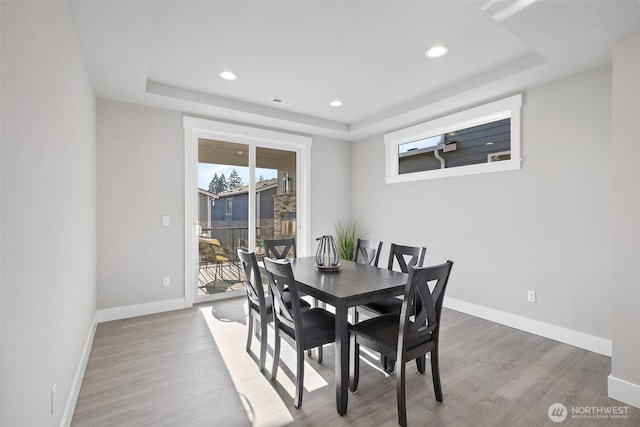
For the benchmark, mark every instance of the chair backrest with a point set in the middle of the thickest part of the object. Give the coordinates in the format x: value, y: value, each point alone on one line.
x: 425, y: 325
x: 280, y: 277
x: 367, y: 252
x: 400, y: 253
x: 252, y: 278
x: 280, y: 248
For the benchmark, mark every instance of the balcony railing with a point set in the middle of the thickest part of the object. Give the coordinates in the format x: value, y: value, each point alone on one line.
x: 233, y: 238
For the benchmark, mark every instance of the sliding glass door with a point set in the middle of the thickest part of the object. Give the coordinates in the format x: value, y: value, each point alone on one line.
x: 275, y: 195
x: 223, y: 214
x: 242, y: 185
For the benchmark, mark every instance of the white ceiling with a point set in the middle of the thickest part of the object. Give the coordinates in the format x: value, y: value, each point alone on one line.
x: 368, y: 54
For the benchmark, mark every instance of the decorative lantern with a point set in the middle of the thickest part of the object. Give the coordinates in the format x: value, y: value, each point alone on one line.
x: 327, y: 253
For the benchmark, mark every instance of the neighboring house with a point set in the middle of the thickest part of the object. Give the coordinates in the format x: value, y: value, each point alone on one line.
x: 204, y: 208
x: 484, y: 143
x: 229, y: 214
x: 231, y: 207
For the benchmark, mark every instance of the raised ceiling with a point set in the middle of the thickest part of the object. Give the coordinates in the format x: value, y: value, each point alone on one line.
x: 368, y: 54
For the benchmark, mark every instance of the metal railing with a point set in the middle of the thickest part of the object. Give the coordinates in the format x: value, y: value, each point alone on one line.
x: 235, y: 237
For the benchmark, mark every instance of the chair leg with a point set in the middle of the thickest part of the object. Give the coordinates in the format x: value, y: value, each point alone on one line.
x: 300, y: 377
x: 387, y: 365
x: 354, y: 366
x: 276, y: 353
x: 354, y: 315
x: 402, y: 403
x: 435, y: 374
x: 421, y: 363
x: 250, y: 332
x: 319, y: 354
x: 263, y: 343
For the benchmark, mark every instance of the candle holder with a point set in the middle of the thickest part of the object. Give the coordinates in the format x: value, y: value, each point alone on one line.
x: 327, y: 255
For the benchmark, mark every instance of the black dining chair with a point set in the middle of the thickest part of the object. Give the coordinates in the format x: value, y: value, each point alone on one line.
x: 280, y: 248
x: 283, y: 249
x: 412, y: 335
x: 403, y: 257
x: 260, y: 305
x: 309, y: 329
x: 367, y: 252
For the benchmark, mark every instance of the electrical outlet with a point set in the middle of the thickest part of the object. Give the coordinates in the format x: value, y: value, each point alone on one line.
x: 53, y: 397
x: 165, y: 221
x: 165, y: 282
x: 531, y: 296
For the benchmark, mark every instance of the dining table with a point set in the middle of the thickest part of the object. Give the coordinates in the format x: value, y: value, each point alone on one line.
x: 350, y: 285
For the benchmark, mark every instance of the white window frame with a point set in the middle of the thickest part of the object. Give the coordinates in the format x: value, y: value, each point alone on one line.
x: 491, y: 112
x: 196, y: 128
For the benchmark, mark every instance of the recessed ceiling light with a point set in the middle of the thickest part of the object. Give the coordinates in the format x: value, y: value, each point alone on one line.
x: 336, y: 103
x: 228, y: 75
x: 437, y: 51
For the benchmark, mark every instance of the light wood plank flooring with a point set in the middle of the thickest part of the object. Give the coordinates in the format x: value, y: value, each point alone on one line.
x: 190, y: 368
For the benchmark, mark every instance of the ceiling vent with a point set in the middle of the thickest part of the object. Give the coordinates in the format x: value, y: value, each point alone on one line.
x: 281, y: 101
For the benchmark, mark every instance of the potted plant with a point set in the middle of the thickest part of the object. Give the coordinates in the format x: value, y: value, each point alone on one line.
x: 346, y: 238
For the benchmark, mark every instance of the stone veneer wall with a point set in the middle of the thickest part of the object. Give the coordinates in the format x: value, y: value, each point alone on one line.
x: 282, y: 203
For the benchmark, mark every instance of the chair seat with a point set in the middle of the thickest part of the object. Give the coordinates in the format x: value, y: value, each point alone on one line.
x: 286, y: 297
x: 318, y: 327
x: 383, y: 331
x: 386, y: 306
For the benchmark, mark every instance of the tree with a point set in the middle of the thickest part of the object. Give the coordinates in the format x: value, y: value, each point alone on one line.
x: 213, y: 185
x: 222, y: 184
x: 234, y: 181
x: 261, y: 179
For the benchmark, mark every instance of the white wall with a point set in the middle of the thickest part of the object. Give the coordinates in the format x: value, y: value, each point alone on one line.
x: 546, y: 227
x: 624, y: 382
x: 330, y: 186
x: 140, y: 179
x: 48, y: 212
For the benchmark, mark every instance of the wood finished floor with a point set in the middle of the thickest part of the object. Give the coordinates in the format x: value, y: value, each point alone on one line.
x: 190, y: 368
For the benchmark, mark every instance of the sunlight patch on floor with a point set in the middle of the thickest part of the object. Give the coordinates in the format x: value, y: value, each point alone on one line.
x: 262, y: 402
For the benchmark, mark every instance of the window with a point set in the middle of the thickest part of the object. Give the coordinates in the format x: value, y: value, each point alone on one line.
x: 229, y: 206
x: 478, y: 140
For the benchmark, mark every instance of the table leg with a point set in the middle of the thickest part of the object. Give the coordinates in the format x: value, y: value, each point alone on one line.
x: 342, y: 358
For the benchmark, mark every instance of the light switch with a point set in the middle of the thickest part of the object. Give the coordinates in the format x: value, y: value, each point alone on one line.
x: 165, y: 220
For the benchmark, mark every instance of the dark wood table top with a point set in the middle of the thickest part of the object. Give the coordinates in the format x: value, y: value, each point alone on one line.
x: 354, y: 284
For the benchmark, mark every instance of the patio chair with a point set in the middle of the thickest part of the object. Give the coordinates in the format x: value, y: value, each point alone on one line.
x: 213, y: 254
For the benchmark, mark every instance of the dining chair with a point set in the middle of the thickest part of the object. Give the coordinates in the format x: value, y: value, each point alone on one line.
x: 280, y: 248
x: 260, y: 305
x: 403, y: 257
x: 367, y: 252
x: 408, y: 337
x: 308, y: 329
x: 283, y: 249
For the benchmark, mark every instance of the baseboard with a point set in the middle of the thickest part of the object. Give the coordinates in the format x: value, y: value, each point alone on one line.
x: 70, y: 407
x: 623, y: 391
x: 568, y: 336
x: 127, y: 311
